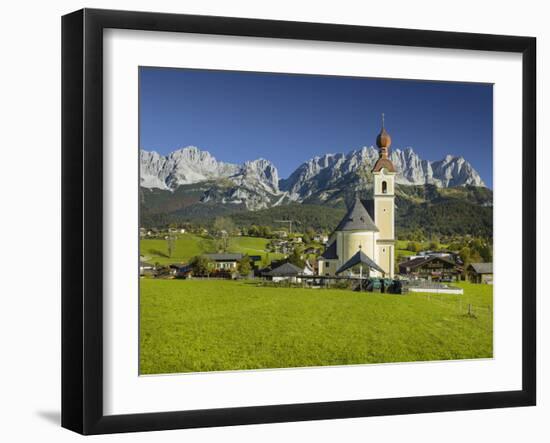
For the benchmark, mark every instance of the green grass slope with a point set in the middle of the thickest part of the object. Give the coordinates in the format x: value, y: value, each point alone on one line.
x: 188, y: 326
x: 187, y: 246
x: 190, y: 245
x: 253, y: 246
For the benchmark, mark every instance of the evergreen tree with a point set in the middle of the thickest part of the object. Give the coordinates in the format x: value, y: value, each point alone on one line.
x: 201, y: 265
x: 244, y: 266
x: 296, y: 259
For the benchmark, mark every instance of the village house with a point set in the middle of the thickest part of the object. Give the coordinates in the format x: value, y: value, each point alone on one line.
x: 228, y: 261
x: 432, y: 267
x: 446, y: 254
x: 309, y: 269
x: 312, y: 250
x: 181, y: 270
x: 320, y: 238
x: 284, y: 271
x: 146, y: 268
x: 480, y: 273
x: 225, y: 261
x: 280, y: 246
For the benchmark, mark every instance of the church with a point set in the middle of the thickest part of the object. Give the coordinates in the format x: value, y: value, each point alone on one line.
x: 363, y: 243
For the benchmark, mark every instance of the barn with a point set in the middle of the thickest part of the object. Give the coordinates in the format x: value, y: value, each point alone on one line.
x: 480, y: 273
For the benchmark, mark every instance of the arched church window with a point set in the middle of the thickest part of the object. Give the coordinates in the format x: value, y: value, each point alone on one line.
x: 384, y: 187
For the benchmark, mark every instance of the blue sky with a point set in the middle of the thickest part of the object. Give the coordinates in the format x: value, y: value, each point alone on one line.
x: 288, y: 119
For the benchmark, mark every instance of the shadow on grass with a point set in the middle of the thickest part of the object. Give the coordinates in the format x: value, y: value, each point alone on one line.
x: 159, y: 253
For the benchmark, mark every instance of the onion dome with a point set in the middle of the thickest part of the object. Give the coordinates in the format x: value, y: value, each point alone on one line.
x: 383, y: 141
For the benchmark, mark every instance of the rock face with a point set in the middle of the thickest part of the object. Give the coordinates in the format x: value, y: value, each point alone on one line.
x: 455, y: 171
x: 182, y: 167
x: 412, y: 170
x: 449, y: 172
x: 256, y: 184
x: 322, y: 173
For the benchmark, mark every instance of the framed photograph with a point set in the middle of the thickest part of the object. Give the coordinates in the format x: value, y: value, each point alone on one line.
x: 269, y: 221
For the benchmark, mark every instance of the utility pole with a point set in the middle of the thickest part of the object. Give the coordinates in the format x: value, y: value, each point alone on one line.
x: 289, y: 224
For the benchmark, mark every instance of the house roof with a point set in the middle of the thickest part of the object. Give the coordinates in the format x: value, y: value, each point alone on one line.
x: 182, y: 268
x: 414, y: 262
x: 358, y: 258
x: 225, y: 257
x: 420, y: 261
x: 330, y: 252
x: 285, y: 270
x: 274, y: 264
x: 357, y: 219
x: 482, y: 268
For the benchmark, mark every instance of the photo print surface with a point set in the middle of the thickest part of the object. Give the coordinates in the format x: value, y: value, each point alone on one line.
x: 292, y: 220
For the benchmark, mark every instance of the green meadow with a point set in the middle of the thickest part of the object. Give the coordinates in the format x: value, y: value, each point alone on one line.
x: 186, y: 246
x: 190, y: 245
x: 253, y: 246
x: 213, y: 325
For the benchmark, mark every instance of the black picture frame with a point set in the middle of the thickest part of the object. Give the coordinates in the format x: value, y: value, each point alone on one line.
x: 82, y: 218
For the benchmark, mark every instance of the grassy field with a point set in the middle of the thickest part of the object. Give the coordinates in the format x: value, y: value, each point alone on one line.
x: 253, y: 246
x: 189, y: 245
x: 191, y: 325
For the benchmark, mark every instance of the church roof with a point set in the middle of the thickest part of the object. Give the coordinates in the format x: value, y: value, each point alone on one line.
x: 369, y: 206
x: 357, y: 258
x: 357, y: 219
x: 382, y: 163
x: 330, y: 252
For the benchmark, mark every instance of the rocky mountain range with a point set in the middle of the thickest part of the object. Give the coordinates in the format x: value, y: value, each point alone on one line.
x: 256, y: 185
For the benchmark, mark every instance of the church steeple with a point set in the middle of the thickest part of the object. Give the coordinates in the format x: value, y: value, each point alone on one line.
x: 383, y: 141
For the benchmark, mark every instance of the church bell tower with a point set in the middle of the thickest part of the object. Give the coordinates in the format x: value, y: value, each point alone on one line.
x: 384, y: 202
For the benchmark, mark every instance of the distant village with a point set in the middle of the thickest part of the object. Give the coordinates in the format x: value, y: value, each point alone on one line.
x: 300, y: 263
x: 361, y: 253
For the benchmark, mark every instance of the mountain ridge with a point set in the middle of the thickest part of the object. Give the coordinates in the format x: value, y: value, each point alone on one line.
x: 322, y: 179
